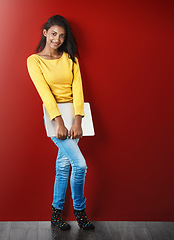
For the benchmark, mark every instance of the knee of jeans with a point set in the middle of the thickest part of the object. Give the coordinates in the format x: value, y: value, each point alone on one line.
x: 82, y: 167
x: 62, y: 167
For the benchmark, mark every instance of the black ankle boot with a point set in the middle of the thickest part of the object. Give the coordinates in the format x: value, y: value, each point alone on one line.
x: 57, y: 221
x: 83, y: 220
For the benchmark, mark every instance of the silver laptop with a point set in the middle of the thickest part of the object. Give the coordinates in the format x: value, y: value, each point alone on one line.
x: 67, y: 112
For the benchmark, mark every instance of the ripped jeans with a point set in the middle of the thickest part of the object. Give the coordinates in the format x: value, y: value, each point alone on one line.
x: 69, y: 153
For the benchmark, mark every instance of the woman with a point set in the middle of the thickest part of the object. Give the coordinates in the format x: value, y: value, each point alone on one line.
x: 56, y: 75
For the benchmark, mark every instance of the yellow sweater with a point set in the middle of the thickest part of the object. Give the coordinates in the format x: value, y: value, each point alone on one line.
x: 57, y: 80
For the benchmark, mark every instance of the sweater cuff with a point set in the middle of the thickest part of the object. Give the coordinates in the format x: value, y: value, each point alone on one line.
x: 54, y: 114
x: 79, y: 111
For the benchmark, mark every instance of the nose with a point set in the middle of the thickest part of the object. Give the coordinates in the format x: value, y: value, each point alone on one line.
x: 58, y: 39
x: 56, y: 42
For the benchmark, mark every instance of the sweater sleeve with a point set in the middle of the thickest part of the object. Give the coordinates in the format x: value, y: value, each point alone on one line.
x: 77, y: 90
x: 42, y: 87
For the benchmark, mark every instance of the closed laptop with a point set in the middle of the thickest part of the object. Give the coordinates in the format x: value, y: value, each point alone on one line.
x: 67, y: 111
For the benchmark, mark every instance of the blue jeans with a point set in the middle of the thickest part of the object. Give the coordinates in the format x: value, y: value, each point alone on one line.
x: 69, y: 153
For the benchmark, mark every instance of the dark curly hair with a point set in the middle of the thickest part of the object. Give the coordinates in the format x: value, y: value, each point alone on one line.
x: 69, y: 45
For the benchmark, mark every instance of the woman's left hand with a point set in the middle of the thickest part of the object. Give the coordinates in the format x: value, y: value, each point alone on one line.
x: 76, y: 129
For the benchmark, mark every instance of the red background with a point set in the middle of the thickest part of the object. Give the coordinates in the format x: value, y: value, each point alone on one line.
x: 126, y: 65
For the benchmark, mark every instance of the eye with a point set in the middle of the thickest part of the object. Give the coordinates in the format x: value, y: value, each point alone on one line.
x: 63, y: 36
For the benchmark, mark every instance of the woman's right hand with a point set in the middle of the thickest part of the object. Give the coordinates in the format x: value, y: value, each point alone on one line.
x: 62, y: 131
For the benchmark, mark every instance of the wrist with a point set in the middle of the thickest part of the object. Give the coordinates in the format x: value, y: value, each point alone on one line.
x: 78, y: 120
x: 59, y: 120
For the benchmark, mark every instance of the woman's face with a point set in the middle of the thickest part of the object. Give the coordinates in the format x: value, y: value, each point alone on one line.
x: 55, y: 36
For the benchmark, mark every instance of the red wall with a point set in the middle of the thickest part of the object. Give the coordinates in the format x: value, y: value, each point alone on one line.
x: 127, y: 71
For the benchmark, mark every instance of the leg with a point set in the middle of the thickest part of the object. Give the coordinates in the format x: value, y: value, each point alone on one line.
x: 70, y: 149
x: 61, y: 180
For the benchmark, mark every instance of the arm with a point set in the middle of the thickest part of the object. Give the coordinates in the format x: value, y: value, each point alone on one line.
x: 78, y: 101
x: 46, y: 96
x: 42, y: 87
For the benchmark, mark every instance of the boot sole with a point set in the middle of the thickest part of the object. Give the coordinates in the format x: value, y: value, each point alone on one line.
x: 64, y: 229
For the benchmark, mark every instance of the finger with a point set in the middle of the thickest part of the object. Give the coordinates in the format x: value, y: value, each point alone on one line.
x: 76, y: 136
x: 64, y: 136
x: 69, y: 134
x: 58, y: 136
x: 61, y: 136
x: 72, y: 135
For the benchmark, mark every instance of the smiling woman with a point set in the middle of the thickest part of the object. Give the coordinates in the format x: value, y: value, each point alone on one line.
x: 56, y: 75
x: 55, y: 35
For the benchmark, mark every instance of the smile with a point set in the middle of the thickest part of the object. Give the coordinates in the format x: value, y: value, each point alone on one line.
x: 55, y: 44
